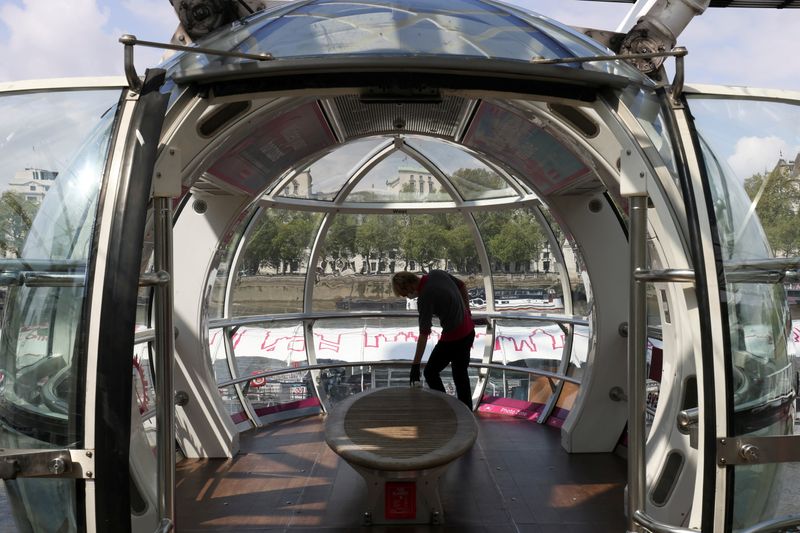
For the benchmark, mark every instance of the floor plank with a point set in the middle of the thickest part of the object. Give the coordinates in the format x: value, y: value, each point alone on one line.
x: 516, y: 478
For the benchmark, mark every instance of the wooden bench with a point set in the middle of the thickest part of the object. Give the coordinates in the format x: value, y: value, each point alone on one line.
x: 401, y: 440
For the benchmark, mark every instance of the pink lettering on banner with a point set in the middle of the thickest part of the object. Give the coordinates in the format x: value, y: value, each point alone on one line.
x: 294, y: 343
x: 527, y: 344
x: 375, y: 340
x: 238, y: 336
x: 329, y: 344
x: 213, y: 338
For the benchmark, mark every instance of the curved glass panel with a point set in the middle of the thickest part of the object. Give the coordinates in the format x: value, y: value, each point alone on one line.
x: 226, y: 268
x: 51, y: 208
x: 275, y: 263
x: 468, y: 28
x: 472, y: 179
x: 646, y: 106
x: 361, y: 252
x: 524, y: 270
x: 755, y: 201
x: 399, y: 178
x: 323, y: 179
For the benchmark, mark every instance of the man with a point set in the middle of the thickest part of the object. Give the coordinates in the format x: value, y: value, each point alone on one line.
x: 438, y: 293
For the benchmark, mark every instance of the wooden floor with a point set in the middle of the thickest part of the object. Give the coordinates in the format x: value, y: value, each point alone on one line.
x: 516, y: 478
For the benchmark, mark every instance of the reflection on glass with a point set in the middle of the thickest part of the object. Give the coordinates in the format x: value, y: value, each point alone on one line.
x: 466, y: 28
x: 361, y: 252
x: 261, y: 348
x: 225, y: 258
x: 399, y: 178
x: 51, y: 208
x: 525, y: 272
x: 323, y: 179
x: 646, y: 106
x: 274, y: 263
x: 743, y: 143
x: 471, y: 178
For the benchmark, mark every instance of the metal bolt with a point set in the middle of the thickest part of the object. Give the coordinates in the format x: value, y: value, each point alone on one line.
x: 723, y: 441
x: 89, y: 474
x: 749, y: 453
x: 89, y: 454
x: 57, y: 466
x: 181, y: 398
x: 722, y: 461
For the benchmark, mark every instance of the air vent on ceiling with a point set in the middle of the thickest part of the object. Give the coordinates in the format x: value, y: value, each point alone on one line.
x: 359, y: 117
x: 218, y: 116
x: 577, y: 118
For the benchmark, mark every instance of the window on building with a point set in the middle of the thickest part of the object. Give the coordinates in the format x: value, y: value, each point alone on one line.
x: 33, y: 188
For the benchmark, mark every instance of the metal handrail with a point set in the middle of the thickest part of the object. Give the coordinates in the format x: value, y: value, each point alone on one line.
x: 165, y: 526
x: 672, y: 274
x: 147, y: 335
x: 491, y: 366
x: 657, y: 527
x: 480, y: 315
x: 271, y: 373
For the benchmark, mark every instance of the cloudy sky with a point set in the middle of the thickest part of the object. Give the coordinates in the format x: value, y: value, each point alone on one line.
x: 64, y: 38
x: 56, y: 38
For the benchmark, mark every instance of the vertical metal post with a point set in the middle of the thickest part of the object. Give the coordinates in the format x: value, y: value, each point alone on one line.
x: 637, y: 337
x: 165, y: 358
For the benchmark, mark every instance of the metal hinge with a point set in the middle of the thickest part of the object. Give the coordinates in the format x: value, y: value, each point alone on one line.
x: 75, y: 464
x: 758, y: 450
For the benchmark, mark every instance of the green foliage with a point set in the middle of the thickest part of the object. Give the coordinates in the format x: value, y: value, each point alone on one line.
x: 430, y: 240
x: 511, y: 236
x: 16, y: 216
x: 280, y: 236
x: 425, y: 240
x: 340, y: 241
x: 474, y: 182
x: 778, y: 199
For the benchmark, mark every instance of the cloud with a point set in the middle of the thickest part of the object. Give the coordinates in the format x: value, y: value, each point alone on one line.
x: 743, y: 47
x: 757, y: 154
x: 55, y: 38
x: 49, y: 39
x: 45, y: 130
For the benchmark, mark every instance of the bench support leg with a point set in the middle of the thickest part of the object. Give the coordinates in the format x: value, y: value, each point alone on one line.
x: 408, y: 497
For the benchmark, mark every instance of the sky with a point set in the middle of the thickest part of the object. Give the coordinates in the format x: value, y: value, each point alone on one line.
x: 67, y: 38
x: 60, y: 38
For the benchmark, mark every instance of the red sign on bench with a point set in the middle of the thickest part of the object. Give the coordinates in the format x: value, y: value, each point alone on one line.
x: 401, y: 500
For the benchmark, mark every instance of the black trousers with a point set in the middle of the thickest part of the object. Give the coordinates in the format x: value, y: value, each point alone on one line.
x: 455, y: 353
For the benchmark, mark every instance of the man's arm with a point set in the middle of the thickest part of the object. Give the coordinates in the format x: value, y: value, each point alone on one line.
x: 422, y: 340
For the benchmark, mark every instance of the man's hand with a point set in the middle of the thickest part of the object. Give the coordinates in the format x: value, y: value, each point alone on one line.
x: 414, y: 374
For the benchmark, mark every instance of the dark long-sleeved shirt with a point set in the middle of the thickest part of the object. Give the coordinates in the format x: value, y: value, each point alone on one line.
x: 439, y: 295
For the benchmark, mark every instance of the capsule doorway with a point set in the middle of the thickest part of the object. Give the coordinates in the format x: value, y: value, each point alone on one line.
x: 267, y: 285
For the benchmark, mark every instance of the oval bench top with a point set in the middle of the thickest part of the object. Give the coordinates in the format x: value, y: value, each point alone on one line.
x: 400, y: 428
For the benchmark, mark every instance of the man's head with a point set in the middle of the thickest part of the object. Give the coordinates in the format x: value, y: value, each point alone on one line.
x: 405, y: 284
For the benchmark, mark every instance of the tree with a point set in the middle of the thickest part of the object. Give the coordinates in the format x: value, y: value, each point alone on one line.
x: 280, y: 238
x: 340, y: 241
x: 778, y: 198
x: 516, y: 240
x: 425, y: 240
x: 475, y: 182
x: 377, y: 236
x: 16, y: 216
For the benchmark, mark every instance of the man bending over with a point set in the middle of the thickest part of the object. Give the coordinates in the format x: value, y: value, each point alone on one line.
x: 438, y: 293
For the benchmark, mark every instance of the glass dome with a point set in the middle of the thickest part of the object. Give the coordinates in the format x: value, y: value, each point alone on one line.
x: 475, y: 29
x: 398, y: 169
